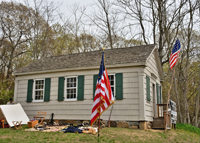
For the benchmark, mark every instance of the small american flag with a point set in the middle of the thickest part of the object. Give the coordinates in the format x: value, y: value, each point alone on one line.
x: 103, y: 98
x: 175, y: 53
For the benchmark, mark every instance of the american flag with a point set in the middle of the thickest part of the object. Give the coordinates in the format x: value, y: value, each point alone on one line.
x: 175, y: 53
x: 103, y: 93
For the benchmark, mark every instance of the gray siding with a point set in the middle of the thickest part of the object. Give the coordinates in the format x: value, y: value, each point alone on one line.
x: 152, y: 68
x: 126, y: 109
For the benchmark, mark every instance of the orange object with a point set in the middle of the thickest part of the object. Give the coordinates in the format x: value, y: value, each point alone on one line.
x: 40, y: 116
x: 17, y: 124
x: 31, y: 124
x: 2, y: 123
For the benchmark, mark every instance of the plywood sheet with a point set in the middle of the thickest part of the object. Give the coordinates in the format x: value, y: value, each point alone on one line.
x: 14, y: 113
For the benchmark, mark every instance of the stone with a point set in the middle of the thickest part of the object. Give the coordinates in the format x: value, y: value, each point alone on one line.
x: 103, y: 123
x: 149, y: 125
x: 122, y: 124
x: 74, y: 122
x: 85, y: 123
x: 113, y: 124
x: 133, y: 127
x: 133, y: 123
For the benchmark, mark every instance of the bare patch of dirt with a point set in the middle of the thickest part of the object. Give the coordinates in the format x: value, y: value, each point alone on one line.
x: 4, y: 137
x: 154, y: 130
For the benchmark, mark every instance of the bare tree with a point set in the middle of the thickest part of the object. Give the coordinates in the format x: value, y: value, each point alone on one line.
x: 165, y: 17
x: 106, y: 19
x: 44, y: 16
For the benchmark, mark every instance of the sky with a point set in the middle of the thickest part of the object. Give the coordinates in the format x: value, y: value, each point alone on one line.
x: 64, y: 3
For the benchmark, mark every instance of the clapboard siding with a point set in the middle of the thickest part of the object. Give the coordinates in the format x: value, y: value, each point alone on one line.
x: 125, y: 109
x: 78, y: 106
x: 149, y: 70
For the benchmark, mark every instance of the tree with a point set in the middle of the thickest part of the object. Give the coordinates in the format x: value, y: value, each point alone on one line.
x: 163, y: 17
x: 44, y: 16
x: 15, y: 22
x: 106, y: 20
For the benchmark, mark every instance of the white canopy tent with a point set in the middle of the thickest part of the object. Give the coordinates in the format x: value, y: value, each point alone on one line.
x: 13, y: 113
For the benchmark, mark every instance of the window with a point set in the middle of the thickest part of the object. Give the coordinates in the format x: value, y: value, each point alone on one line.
x: 38, y: 90
x: 38, y: 93
x: 116, y: 83
x: 71, y: 88
x: 112, y: 83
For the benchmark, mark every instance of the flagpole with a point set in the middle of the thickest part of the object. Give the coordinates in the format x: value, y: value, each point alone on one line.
x: 110, y: 116
x: 99, y: 118
x: 100, y: 105
x: 169, y: 97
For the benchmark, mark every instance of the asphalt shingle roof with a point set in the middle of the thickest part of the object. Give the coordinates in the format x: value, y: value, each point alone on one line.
x: 133, y: 54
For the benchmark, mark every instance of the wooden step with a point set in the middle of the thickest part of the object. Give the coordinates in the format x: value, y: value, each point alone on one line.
x: 158, y: 123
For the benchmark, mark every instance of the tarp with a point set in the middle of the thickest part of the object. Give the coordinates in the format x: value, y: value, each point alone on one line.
x: 13, y: 113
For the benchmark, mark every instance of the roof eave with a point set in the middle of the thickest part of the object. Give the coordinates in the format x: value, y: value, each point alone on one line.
x: 82, y: 68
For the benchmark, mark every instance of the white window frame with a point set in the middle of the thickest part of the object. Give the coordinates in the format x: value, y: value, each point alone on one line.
x: 41, y: 100
x: 113, y: 85
x: 65, y: 92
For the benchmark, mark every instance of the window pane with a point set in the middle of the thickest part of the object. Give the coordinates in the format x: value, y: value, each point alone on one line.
x: 111, y: 77
x: 71, y: 88
x: 36, y: 86
x: 39, y: 86
x: 112, y: 88
x: 36, y: 93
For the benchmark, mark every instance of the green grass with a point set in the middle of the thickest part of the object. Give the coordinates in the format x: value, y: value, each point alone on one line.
x: 188, y: 128
x: 184, y: 133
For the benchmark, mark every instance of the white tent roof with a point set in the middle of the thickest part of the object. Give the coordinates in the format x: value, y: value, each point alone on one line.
x: 13, y: 113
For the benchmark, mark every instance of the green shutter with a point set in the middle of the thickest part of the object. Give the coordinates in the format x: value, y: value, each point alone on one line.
x: 158, y: 93
x: 47, y: 89
x: 148, y: 88
x: 119, y: 86
x: 61, y: 88
x: 80, y: 87
x: 29, y: 90
x: 95, y: 77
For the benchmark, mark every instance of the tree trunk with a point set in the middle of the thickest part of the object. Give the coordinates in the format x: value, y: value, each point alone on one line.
x: 197, y: 104
x: 178, y: 104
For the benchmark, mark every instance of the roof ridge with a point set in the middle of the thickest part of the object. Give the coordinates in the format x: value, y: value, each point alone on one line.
x: 98, y: 51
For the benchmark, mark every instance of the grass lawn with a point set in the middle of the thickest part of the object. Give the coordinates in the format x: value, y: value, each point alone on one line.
x: 110, y: 135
